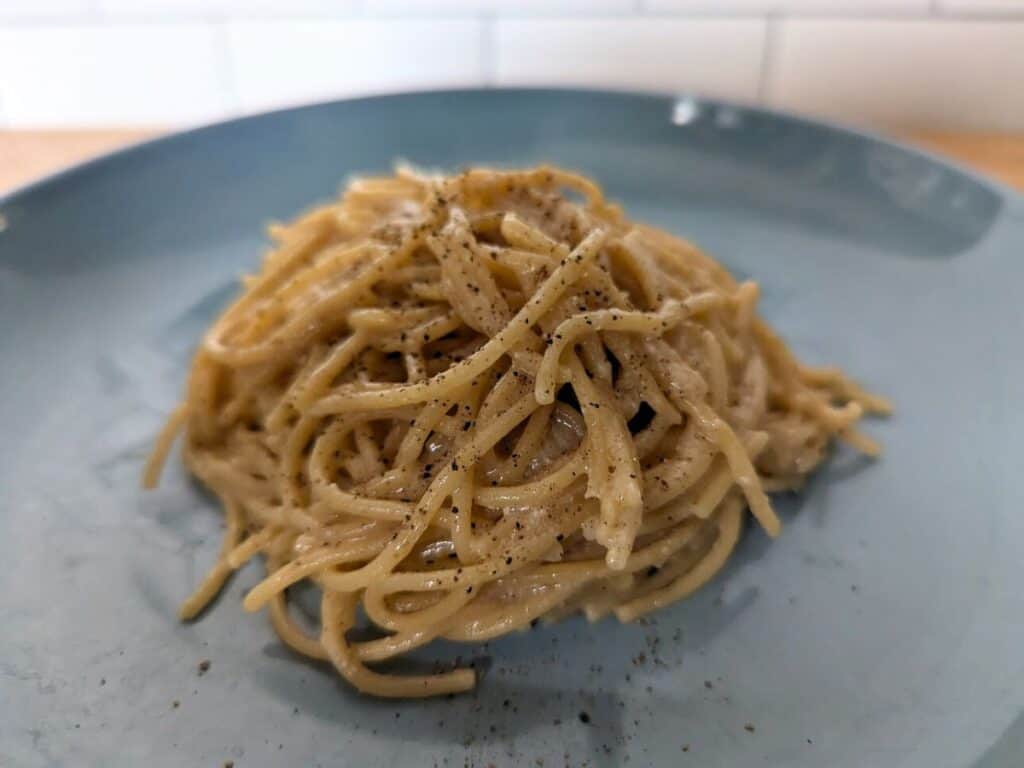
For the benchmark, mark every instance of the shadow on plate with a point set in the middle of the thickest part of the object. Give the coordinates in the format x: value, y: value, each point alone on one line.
x: 589, y: 703
x: 512, y: 698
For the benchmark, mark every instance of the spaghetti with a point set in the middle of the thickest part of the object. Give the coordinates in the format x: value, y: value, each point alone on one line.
x: 464, y: 403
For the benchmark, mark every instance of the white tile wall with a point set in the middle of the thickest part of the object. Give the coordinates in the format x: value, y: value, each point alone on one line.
x: 793, y: 7
x: 45, y: 9
x: 504, y: 7
x: 903, y: 72
x: 225, y: 8
x: 285, y: 62
x: 982, y: 7
x: 719, y: 57
x: 128, y: 74
x: 933, y: 63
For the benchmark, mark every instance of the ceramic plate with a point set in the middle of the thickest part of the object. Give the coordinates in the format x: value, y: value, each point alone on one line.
x: 885, y: 627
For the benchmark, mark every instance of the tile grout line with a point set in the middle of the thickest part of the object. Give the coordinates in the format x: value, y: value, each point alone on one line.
x: 107, y: 19
x: 226, y: 73
x: 768, y: 56
x: 488, y: 51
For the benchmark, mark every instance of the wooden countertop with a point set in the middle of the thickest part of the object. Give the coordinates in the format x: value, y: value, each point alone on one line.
x: 25, y: 155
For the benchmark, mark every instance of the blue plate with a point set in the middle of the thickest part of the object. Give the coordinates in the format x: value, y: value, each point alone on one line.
x: 884, y: 628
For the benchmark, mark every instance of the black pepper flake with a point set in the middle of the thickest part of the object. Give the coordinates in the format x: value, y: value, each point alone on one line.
x: 749, y: 728
x: 585, y: 718
x: 204, y: 667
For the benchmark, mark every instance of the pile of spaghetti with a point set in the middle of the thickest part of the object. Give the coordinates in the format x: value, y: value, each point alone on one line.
x: 467, y: 402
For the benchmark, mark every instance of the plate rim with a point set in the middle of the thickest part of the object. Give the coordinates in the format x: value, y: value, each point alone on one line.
x: 41, y: 184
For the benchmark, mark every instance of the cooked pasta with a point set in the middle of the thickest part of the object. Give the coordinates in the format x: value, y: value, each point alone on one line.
x: 467, y: 402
